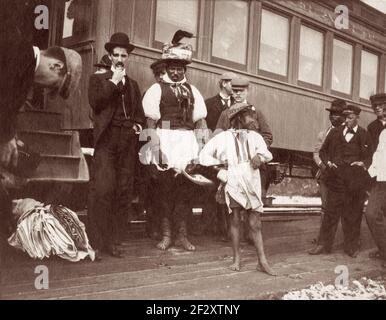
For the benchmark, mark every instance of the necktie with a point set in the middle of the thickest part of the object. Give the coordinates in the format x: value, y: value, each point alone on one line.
x: 226, y: 102
x: 350, y: 130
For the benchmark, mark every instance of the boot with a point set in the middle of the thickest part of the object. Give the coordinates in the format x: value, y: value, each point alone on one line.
x: 182, y: 237
x: 166, y: 234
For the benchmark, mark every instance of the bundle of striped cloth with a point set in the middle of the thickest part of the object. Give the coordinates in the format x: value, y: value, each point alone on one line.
x: 45, y: 230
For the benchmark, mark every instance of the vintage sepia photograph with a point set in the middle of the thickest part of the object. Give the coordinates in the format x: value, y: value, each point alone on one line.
x: 205, y: 152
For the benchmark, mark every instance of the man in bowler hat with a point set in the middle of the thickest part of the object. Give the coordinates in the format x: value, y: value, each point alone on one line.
x: 118, y: 117
x: 378, y: 103
x: 346, y: 154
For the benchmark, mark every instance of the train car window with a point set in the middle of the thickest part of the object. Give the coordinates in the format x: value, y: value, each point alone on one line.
x: 274, y: 43
x: 368, y: 79
x: 311, y: 56
x: 77, y: 19
x: 230, y: 31
x: 385, y: 80
x: 172, y: 15
x: 342, y: 59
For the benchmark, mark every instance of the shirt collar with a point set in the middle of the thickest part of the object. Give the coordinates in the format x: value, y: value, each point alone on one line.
x: 37, y: 56
x: 355, y: 129
x: 222, y: 96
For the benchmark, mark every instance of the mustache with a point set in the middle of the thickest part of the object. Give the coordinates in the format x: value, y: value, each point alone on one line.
x: 119, y: 64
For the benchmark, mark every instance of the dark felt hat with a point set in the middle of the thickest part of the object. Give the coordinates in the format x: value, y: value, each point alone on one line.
x: 337, y: 106
x: 351, y: 109
x: 158, y: 64
x: 379, y: 98
x: 105, y: 62
x: 119, y: 39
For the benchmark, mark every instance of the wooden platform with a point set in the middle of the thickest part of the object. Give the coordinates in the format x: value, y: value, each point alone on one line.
x: 147, y: 273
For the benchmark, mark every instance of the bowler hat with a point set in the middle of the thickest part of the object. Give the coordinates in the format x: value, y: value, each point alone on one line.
x: 379, y: 98
x: 337, y: 106
x: 240, y: 83
x: 237, y: 108
x: 351, y: 109
x: 74, y: 72
x: 105, y: 62
x: 119, y: 39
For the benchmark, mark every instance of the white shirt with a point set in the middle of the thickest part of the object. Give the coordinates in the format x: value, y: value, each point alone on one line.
x: 349, y: 136
x: 378, y: 166
x: 37, y: 56
x: 226, y: 101
x: 152, y: 99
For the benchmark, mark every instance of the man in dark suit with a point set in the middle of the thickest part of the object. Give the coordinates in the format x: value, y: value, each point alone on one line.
x: 221, y: 101
x: 346, y: 154
x: 375, y: 128
x: 118, y: 117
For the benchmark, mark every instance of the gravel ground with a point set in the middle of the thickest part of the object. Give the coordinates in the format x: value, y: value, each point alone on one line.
x: 362, y: 289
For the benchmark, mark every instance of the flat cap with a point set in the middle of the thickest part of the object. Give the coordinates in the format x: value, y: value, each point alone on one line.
x: 158, y: 64
x: 351, y: 109
x: 378, y: 99
x: 228, y: 76
x: 237, y: 108
x: 240, y: 83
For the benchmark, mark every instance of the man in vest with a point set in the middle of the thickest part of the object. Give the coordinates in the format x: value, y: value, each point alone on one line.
x: 118, y: 117
x: 346, y: 154
x: 174, y: 109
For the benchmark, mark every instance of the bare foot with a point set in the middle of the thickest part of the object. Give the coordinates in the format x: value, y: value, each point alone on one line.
x: 164, y: 244
x: 185, y: 243
x: 264, y: 266
x: 235, y: 266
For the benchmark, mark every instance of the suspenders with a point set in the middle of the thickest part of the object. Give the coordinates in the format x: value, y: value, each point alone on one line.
x: 242, y: 154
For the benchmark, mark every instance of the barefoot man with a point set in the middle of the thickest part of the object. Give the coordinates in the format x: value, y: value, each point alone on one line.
x: 240, y: 151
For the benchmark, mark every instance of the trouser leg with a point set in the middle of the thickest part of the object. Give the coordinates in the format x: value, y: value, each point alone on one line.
x: 352, y: 219
x: 376, y: 216
x: 102, y: 195
x: 335, y: 204
x: 125, y: 171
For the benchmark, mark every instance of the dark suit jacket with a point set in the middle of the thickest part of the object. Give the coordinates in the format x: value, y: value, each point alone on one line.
x: 214, y: 107
x: 17, y: 63
x: 331, y: 147
x: 104, y: 97
x: 374, y: 129
x: 264, y: 129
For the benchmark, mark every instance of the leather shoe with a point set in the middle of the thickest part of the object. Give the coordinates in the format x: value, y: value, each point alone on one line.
x: 98, y: 256
x: 318, y: 249
x: 114, y: 252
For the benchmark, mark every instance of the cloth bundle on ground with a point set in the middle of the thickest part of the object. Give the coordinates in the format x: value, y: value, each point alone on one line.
x: 45, y: 230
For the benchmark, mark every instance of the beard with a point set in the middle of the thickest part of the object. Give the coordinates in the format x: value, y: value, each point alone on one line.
x: 253, y: 126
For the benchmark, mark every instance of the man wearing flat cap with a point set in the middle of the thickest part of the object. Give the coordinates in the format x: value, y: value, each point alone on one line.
x: 346, y: 154
x: 336, y: 119
x: 56, y: 69
x: 221, y: 101
x: 215, y: 106
x: 378, y: 103
x: 118, y: 117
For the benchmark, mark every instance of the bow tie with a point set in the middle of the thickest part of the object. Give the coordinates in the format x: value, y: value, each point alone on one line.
x: 350, y: 130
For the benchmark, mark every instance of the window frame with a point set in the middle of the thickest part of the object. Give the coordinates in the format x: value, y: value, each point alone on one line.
x: 378, y: 55
x: 335, y: 92
x: 302, y: 83
x: 230, y: 63
x: 75, y: 40
x: 158, y: 44
x: 266, y: 73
